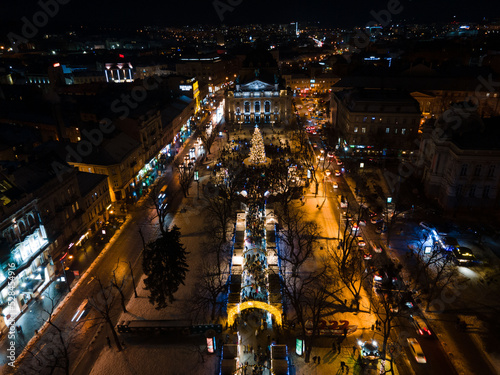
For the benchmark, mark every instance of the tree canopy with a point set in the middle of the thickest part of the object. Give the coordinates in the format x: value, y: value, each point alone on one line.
x: 164, y: 263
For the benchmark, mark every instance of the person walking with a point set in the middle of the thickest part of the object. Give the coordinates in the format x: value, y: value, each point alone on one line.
x: 108, y: 341
x: 314, y: 359
x: 319, y: 359
x: 342, y: 366
x: 354, y: 350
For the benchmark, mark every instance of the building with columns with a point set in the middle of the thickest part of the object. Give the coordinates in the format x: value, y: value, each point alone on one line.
x: 258, y: 102
x: 259, y: 95
x: 460, y: 161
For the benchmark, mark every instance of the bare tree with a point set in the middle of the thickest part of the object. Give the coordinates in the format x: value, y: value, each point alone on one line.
x: 208, y: 139
x: 219, y: 203
x: 353, y: 274
x: 208, y: 294
x: 119, y: 287
x: 157, y: 202
x: 104, y: 303
x: 432, y: 271
x: 386, y: 312
x: 298, y: 237
x: 313, y: 295
x: 52, y: 355
x: 283, y: 183
x: 186, y: 176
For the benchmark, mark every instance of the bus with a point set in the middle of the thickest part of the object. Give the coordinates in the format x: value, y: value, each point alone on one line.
x: 162, y: 197
x: 342, y: 201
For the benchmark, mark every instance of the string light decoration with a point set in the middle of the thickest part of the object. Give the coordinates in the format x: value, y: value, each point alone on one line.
x: 257, y: 151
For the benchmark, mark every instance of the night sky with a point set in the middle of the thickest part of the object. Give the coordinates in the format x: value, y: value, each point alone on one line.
x: 191, y: 12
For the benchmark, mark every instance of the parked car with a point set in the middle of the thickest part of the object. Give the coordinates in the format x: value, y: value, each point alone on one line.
x: 420, y: 326
x: 335, y: 185
x: 463, y: 256
x: 361, y: 241
x: 416, y: 350
x: 376, y: 220
x: 337, y: 173
x: 367, y: 256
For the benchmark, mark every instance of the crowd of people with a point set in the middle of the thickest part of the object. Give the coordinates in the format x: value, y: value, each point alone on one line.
x: 255, y: 261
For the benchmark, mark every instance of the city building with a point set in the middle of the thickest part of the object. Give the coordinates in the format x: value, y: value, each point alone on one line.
x: 210, y: 70
x: 258, y: 102
x: 25, y: 259
x: 309, y: 84
x: 94, y: 201
x: 434, y: 92
x: 380, y: 121
x: 461, y: 161
x: 120, y: 158
x: 259, y: 94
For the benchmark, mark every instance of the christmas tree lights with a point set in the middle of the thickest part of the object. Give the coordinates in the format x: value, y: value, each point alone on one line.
x: 257, y: 151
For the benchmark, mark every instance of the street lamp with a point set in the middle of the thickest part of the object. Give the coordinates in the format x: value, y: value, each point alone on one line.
x: 64, y: 271
x: 197, y: 179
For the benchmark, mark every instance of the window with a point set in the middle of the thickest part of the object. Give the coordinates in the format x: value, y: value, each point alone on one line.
x: 267, y: 107
x: 355, y: 129
x: 363, y: 130
x: 477, y: 171
x: 459, y: 190
x: 257, y: 107
x: 238, y: 110
x: 491, y: 171
x: 463, y: 170
x: 387, y: 130
x: 472, y: 191
x: 486, y: 192
x: 403, y: 131
x: 364, y: 119
x: 247, y: 107
x: 396, y: 131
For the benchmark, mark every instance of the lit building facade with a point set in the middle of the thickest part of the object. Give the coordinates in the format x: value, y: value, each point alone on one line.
x: 258, y: 102
x: 26, y: 265
x: 381, y: 121
x: 461, y: 168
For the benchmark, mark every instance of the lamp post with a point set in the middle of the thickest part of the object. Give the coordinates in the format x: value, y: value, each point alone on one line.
x: 132, y: 275
x: 197, y: 179
x: 65, y: 277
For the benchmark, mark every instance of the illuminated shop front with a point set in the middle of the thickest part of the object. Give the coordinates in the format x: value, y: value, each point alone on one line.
x: 30, y: 270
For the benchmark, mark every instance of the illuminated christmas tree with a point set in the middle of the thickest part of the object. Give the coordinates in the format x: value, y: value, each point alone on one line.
x: 257, y: 151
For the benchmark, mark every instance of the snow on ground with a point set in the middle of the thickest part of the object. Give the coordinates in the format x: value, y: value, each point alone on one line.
x: 154, y: 360
x: 173, y: 357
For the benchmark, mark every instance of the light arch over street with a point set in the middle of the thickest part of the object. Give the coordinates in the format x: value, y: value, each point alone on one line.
x: 236, y: 310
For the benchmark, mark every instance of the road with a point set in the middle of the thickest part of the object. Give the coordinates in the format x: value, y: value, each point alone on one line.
x: 438, y: 362
x: 88, y: 335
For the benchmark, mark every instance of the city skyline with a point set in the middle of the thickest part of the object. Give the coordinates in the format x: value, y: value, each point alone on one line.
x: 126, y: 14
